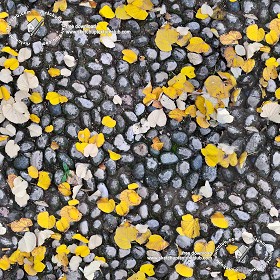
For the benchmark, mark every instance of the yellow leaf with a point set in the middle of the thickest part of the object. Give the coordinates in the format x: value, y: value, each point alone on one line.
x: 233, y: 60
x: 33, y: 14
x: 156, y: 242
x: 272, y: 62
x: 114, y: 156
x: 234, y: 275
x: 277, y: 138
x: 197, y: 45
x: 71, y: 213
x: 165, y: 37
x: 80, y: 237
x: 81, y: 147
x: 3, y: 138
x: 188, y: 71
x: 138, y: 276
x: 84, y: 135
x: 106, y: 12
x: 242, y: 159
x: 124, y: 235
x: 55, y: 98
x: 73, y: 202
x: 275, y: 25
x: 230, y: 38
x: 29, y: 269
x: 254, y: 33
x: 49, y: 128
x: 143, y: 237
x: 277, y: 93
x: 62, y: 224
x: 60, y: 5
x: 204, y: 249
x: 248, y: 65
x: 64, y: 189
x: 278, y: 262
x: 4, y: 93
x: 54, y: 72
x: 213, y: 155
x: 30, y: 71
x: 189, y: 226
x: 11, y: 63
x: 131, y: 197
x: 45, y: 220
x: 100, y: 259
x: 129, y: 55
x: 177, y: 114
x: 108, y: 121
x: 34, y: 118
x: 215, y: 87
x: 106, y: 205
x: 219, y: 220
x: 121, y: 13
x: 36, y: 97
x: 5, y: 28
x: 62, y: 249
x: 270, y: 73
x: 199, y: 15
x: 33, y: 172
x: 132, y: 186
x: 44, y: 180
x: 97, y: 139
x: 38, y: 266
x: 4, y: 263
x: 272, y: 37
x: 122, y: 208
x: 18, y: 257
x: 9, y: 50
x: 39, y: 253
x: 21, y: 225
x: 196, y: 197
x: 135, y: 12
x: 191, y: 110
x: 231, y: 248
x: 56, y: 236
x: 3, y: 15
x: 82, y: 251
x: 202, y: 122
x: 184, y: 270
x: 148, y: 269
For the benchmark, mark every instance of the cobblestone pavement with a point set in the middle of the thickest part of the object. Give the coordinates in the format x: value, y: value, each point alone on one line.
x: 167, y: 178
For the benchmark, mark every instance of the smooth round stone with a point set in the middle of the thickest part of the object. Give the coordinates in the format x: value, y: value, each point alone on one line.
x: 168, y: 158
x: 21, y: 163
x: 71, y: 111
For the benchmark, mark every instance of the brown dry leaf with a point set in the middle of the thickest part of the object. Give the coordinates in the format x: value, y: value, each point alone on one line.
x: 230, y: 38
x: 88, y: 3
x: 270, y: 73
x: 10, y: 181
x: 233, y: 60
x: 275, y: 25
x: 218, y: 13
x: 54, y: 146
x: 215, y: 87
x: 21, y: 225
x: 157, y: 104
